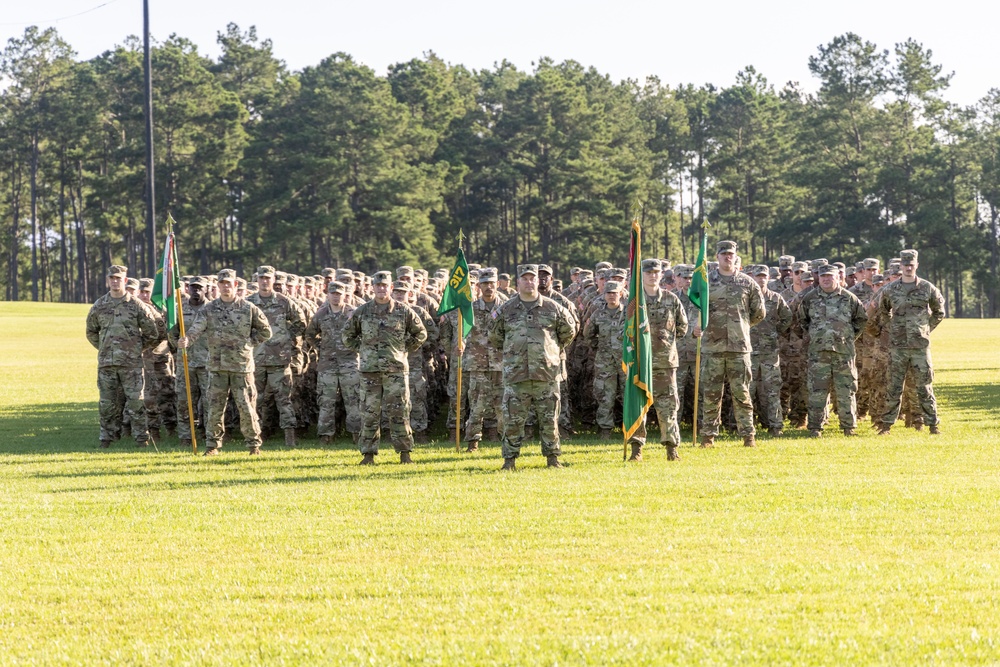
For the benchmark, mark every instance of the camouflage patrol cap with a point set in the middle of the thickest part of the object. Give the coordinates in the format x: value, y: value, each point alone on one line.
x: 336, y: 287
x: 600, y: 266
x: 908, y: 257
x: 382, y: 278
x: 405, y: 270
x: 586, y: 282
x: 878, y: 279
x: 816, y: 264
x: 800, y: 266
x: 265, y: 270
x: 725, y: 246
x: 441, y: 273
x: 649, y: 265
x: 760, y: 270
x: 895, y: 260
x: 117, y: 270
x: 665, y: 263
x: 786, y: 261
x: 401, y: 286
x: 308, y: 281
x: 828, y: 270
x: 504, y: 276
x: 475, y: 267
x: 807, y: 278
x: 617, y: 273
x: 668, y: 274
x: 586, y: 273
x: 895, y: 270
x: 575, y: 270
x: 711, y: 266
x: 487, y: 275
x: 684, y: 271
x: 280, y: 277
x: 358, y: 275
x: 145, y: 283
x: 344, y: 274
x: 420, y: 272
x: 545, y: 268
x: 871, y: 263
x: 612, y: 286
x: 839, y: 265
x: 227, y: 275
x: 474, y: 276
x: 241, y: 284
x: 328, y: 272
x: 132, y: 283
x: 523, y: 269
x: 196, y: 280
x: 850, y: 271
x: 186, y: 279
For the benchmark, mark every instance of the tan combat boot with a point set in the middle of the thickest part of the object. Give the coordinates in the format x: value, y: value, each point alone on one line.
x: 509, y: 464
x: 473, y: 446
x: 636, y: 452
x: 708, y: 442
x: 404, y: 457
x: 672, y: 454
x: 290, y: 437
x: 552, y: 461
x: 367, y: 460
x: 749, y: 441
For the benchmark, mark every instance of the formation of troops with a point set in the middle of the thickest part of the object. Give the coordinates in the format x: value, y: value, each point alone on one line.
x: 342, y: 352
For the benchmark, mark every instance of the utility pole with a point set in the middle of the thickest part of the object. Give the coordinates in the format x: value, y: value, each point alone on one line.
x: 148, y: 105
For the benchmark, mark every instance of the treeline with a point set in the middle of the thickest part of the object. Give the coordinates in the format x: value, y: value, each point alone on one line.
x: 335, y: 165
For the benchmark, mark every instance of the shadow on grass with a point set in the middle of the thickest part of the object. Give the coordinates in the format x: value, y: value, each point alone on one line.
x: 49, y: 428
x: 970, y: 398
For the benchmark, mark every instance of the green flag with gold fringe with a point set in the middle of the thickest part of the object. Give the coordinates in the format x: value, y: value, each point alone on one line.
x: 458, y: 294
x: 637, y: 360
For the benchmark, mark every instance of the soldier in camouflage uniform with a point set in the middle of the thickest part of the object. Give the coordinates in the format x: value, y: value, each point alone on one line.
x: 792, y: 353
x: 197, y: 355
x: 667, y: 321
x: 273, y: 358
x: 232, y: 327
x: 484, y: 365
x: 910, y: 308
x: 833, y: 319
x: 867, y: 345
x: 158, y: 372
x: 603, y: 333
x: 545, y: 288
x: 384, y: 332
x: 531, y: 330
x: 735, y: 306
x: 338, y: 377
x: 119, y: 326
x: 686, y: 346
x: 765, y: 365
x: 402, y: 292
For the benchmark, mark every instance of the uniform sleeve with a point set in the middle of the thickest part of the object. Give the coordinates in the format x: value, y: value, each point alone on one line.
x: 445, y: 332
x: 590, y: 332
x: 313, y: 331
x: 800, y: 318
x: 936, y: 304
x: 565, y: 328
x: 756, y: 309
x: 93, y: 329
x: 260, y: 328
x: 784, y: 318
x: 416, y: 333
x: 496, y: 331
x: 431, y: 327
x: 149, y: 328
x: 680, y: 319
x: 859, y: 317
x: 296, y: 320
x: 351, y: 336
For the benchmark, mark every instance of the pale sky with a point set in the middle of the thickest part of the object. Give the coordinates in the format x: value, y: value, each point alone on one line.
x: 681, y: 42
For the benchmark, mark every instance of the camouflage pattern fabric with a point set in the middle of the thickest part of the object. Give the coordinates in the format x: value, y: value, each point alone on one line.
x: 385, y: 395
x: 765, y: 366
x: 537, y: 398
x: 604, y: 331
x: 241, y: 385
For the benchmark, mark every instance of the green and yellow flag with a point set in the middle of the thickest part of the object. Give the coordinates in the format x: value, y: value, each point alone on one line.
x: 698, y: 291
x: 458, y: 294
x: 167, y: 282
x: 637, y: 360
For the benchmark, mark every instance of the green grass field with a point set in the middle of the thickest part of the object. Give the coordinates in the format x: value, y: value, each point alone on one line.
x: 831, y: 551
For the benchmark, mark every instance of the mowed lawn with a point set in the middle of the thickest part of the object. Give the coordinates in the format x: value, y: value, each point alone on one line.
x: 832, y: 551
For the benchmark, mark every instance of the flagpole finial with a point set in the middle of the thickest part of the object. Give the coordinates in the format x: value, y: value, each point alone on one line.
x: 636, y: 207
x: 461, y: 237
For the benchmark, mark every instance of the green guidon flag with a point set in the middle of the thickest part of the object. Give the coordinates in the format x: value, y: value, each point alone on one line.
x: 167, y: 282
x: 698, y: 291
x: 637, y: 360
x: 458, y: 294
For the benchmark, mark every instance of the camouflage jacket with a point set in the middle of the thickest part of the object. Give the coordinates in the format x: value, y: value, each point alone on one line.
x: 604, y: 332
x: 232, y: 331
x: 479, y: 354
x: 426, y: 350
x: 863, y: 291
x: 668, y: 322
x: 120, y: 329
x: 531, y: 334
x: 686, y: 343
x: 325, y: 331
x: 197, y: 353
x: 383, y: 335
x: 734, y: 305
x: 287, y: 324
x: 158, y: 352
x: 911, y: 310
x: 832, y: 320
x: 766, y: 337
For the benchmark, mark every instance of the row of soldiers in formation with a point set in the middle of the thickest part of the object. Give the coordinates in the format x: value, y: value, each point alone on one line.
x: 335, y: 351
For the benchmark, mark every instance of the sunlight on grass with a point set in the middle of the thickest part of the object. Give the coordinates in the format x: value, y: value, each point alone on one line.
x: 830, y: 551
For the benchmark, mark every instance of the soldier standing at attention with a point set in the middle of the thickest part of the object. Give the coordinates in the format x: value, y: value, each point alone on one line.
x: 603, y: 333
x: 735, y: 305
x: 233, y: 327
x: 911, y: 308
x: 667, y: 322
x: 384, y: 331
x: 765, y: 366
x: 337, y: 364
x: 484, y: 365
x: 833, y: 318
x: 197, y: 365
x: 120, y: 326
x: 273, y: 358
x: 531, y: 330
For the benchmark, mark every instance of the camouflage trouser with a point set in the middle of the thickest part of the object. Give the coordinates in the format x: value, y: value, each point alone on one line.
x: 276, y: 382
x: 608, y: 385
x: 876, y: 401
x: 199, y: 394
x: 901, y: 360
x: 717, y: 370
x: 418, y: 398
x: 220, y: 384
x: 867, y: 380
x: 159, y: 396
x: 304, y: 396
x: 452, y: 388
x: 387, y: 393
x: 119, y: 388
x: 910, y: 403
x: 540, y: 398
x: 765, y: 389
x: 685, y: 390
x: 485, y: 394
x: 333, y: 385
x: 832, y: 373
x: 798, y: 390
x: 665, y: 402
